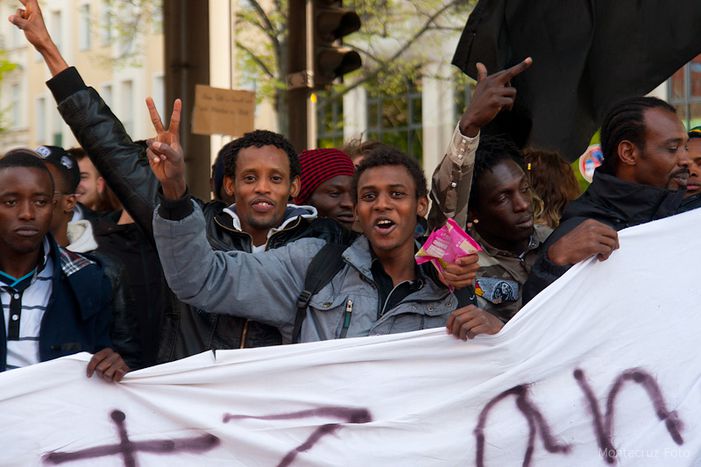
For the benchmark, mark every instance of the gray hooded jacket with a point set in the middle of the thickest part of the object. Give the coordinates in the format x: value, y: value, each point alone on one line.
x: 264, y: 287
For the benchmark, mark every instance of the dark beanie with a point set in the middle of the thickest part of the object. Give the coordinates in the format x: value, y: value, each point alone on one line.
x: 320, y: 165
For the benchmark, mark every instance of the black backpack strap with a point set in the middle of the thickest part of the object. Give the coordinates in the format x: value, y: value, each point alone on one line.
x: 466, y: 296
x: 324, y: 266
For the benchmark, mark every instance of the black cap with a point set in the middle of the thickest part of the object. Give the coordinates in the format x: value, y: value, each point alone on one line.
x: 64, y: 161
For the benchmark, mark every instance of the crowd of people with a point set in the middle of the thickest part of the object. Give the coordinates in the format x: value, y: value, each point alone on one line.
x: 103, y: 249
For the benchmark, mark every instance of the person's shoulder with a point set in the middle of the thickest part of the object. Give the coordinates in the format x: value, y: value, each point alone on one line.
x: 330, y: 230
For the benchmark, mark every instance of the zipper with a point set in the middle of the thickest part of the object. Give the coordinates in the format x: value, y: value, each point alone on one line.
x: 347, y: 318
x: 244, y: 335
x: 384, y: 305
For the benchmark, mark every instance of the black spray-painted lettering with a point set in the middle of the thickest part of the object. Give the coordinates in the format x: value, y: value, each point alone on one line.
x: 128, y: 448
x: 536, y: 424
x: 603, y: 426
x: 346, y: 414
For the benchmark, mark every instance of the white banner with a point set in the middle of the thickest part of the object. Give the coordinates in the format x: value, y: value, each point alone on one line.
x: 600, y: 369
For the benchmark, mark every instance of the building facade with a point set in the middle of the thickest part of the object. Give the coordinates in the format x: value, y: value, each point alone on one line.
x: 419, y: 120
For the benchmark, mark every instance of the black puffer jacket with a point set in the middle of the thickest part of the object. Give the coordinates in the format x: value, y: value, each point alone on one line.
x: 124, y: 166
x: 609, y: 200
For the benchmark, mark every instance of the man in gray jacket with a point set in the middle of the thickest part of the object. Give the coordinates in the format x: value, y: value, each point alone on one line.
x: 379, y: 289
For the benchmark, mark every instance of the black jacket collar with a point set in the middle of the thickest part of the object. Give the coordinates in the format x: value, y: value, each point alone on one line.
x: 623, y: 204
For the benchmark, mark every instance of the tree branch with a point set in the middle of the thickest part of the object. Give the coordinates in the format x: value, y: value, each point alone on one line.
x: 256, y: 59
x: 383, y: 64
x: 271, y: 32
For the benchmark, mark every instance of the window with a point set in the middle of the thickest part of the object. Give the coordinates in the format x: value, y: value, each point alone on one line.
x: 41, y: 120
x: 684, y: 90
x: 16, y: 105
x: 57, y: 129
x: 158, y: 95
x: 329, y: 115
x: 106, y: 94
x: 105, y: 24
x: 85, y: 28
x: 464, y: 87
x: 397, y: 120
x: 157, y: 17
x: 56, y: 29
x: 127, y: 110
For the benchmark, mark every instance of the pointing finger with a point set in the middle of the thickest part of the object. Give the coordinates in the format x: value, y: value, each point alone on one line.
x: 518, y: 69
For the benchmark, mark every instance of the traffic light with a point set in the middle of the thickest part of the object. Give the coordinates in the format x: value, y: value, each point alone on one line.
x: 331, y: 22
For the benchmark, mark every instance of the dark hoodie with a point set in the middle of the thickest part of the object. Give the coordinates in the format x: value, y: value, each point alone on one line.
x: 609, y: 200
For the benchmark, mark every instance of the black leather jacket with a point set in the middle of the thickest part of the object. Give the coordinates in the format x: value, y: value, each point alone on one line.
x: 609, y: 200
x: 123, y: 164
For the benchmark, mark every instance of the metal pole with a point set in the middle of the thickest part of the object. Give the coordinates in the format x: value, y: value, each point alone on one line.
x: 186, y: 42
x: 299, y: 82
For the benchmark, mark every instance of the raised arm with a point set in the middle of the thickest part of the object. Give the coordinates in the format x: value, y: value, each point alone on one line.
x: 31, y: 21
x: 263, y: 287
x: 452, y: 178
x: 120, y: 161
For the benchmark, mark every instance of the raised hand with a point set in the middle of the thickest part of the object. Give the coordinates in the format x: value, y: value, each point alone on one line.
x: 31, y: 22
x: 165, y: 154
x: 492, y: 94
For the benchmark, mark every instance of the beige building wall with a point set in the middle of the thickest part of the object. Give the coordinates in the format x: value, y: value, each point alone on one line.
x: 79, y: 29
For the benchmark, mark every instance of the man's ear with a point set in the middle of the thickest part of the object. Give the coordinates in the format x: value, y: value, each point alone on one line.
x: 68, y: 203
x: 228, y: 185
x: 422, y: 206
x: 100, y: 183
x: 628, y: 153
x: 295, y: 186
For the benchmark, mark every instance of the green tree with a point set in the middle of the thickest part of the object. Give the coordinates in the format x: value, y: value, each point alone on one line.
x: 396, y: 39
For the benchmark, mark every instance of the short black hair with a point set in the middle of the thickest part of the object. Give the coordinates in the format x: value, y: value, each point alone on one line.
x: 626, y: 121
x: 258, y: 138
x: 383, y: 155
x: 25, y: 158
x: 77, y: 152
x: 492, y: 151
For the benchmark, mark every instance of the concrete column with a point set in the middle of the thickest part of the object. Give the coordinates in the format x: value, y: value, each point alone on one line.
x: 355, y: 115
x: 437, y: 103
x: 186, y: 40
x: 221, y: 56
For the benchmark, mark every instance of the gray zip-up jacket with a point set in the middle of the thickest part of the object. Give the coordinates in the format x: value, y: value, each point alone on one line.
x: 264, y: 287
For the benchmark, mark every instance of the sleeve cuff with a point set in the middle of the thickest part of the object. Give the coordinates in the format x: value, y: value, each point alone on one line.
x: 65, y: 84
x: 175, y: 210
x: 553, y: 269
x: 461, y: 146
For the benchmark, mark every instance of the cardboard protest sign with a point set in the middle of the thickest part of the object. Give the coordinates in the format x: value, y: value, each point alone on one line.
x: 223, y: 111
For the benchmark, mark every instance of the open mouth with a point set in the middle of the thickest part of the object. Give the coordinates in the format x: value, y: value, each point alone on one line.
x: 262, y: 205
x: 385, y: 226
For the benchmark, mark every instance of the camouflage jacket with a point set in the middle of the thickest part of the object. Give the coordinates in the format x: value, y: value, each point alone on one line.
x: 501, y: 275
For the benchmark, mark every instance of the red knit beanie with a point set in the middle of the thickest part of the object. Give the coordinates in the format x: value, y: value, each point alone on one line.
x: 320, y: 165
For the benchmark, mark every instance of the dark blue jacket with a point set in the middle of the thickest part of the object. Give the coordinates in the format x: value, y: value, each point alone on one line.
x: 79, y: 312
